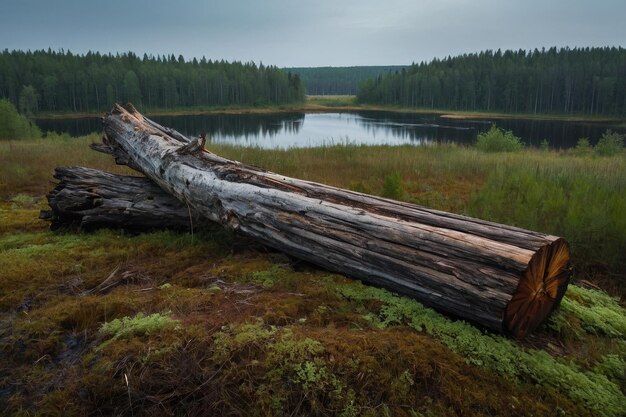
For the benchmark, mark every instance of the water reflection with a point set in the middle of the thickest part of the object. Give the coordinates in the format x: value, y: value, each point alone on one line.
x: 235, y: 125
x: 285, y: 130
x: 418, y: 129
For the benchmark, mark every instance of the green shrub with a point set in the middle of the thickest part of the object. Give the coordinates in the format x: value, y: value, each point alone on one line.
x: 15, y: 126
x: 392, y: 187
x: 498, y: 140
x: 583, y: 147
x: 611, y: 143
x: 544, y: 145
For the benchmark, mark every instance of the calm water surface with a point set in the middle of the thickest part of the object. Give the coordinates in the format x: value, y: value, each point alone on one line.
x: 286, y: 130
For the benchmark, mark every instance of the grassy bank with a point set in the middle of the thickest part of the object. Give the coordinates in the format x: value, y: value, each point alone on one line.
x: 27, y: 166
x: 581, y: 198
x: 216, y: 324
x: 347, y: 103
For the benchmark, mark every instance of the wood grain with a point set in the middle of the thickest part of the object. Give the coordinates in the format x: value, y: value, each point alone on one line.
x: 504, y: 278
x: 90, y: 199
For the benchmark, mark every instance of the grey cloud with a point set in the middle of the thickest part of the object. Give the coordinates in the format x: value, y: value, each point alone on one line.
x: 310, y: 33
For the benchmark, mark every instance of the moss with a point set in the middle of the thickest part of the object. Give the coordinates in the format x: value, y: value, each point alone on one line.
x: 613, y: 366
x: 275, y: 355
x: 267, y: 369
x: 137, y: 325
x: 495, y: 352
x: 585, y: 311
x: 269, y: 277
x: 255, y: 335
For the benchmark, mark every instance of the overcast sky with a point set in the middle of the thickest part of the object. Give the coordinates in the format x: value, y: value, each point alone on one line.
x: 312, y: 32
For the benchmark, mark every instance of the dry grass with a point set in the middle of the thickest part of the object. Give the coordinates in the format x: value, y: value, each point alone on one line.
x: 27, y: 166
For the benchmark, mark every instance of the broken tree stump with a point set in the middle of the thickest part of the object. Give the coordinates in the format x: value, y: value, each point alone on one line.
x: 504, y: 278
x: 90, y: 199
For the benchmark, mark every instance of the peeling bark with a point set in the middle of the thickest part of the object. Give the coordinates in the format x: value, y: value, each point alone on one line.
x: 504, y: 278
x: 90, y: 199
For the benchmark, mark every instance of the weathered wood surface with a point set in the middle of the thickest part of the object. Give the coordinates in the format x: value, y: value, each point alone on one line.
x: 90, y: 199
x: 504, y: 278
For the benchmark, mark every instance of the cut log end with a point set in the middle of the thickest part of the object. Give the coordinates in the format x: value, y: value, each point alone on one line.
x: 540, y: 290
x: 501, y: 277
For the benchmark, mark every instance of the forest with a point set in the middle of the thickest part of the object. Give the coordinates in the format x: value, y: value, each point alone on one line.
x: 338, y: 80
x: 589, y: 81
x: 49, y: 81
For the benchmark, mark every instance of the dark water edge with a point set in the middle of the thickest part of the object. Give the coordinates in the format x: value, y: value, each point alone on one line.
x: 283, y: 130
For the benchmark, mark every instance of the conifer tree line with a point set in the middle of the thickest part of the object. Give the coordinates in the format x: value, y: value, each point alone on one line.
x: 42, y: 81
x: 580, y: 80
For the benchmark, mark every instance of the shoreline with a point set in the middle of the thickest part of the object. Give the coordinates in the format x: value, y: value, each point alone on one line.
x: 318, y: 105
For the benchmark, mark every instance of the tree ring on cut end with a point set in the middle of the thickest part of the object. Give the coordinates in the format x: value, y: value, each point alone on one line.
x: 540, y: 290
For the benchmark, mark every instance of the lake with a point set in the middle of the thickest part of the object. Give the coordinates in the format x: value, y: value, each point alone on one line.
x: 283, y: 130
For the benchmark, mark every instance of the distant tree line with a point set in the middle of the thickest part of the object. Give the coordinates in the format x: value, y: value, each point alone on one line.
x: 338, y: 80
x: 62, y: 81
x: 580, y: 80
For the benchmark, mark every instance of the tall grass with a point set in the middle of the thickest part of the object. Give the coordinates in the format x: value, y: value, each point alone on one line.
x: 26, y: 166
x: 582, y: 198
x: 346, y: 165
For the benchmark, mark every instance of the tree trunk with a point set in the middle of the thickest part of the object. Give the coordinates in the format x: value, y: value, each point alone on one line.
x: 91, y: 199
x: 504, y: 278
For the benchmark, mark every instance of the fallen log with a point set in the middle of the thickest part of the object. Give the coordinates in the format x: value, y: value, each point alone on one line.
x: 504, y: 278
x: 89, y: 199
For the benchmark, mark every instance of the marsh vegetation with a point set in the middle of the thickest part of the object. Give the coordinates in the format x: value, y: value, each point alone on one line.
x: 214, y: 322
